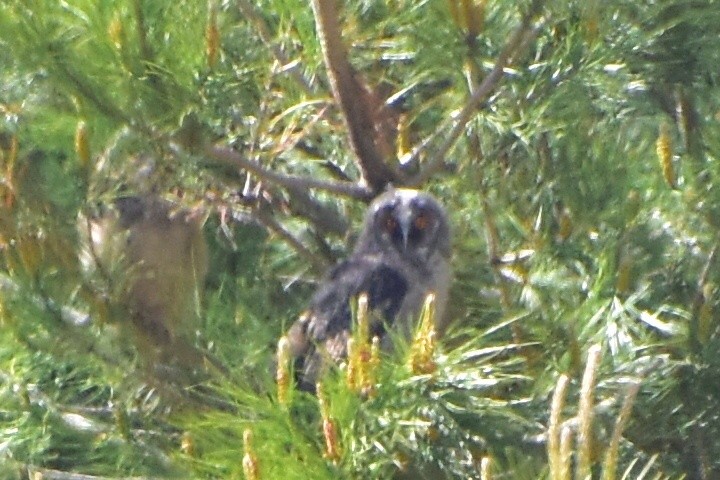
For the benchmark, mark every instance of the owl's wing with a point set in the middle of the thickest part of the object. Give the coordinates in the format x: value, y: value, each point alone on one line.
x: 325, y: 328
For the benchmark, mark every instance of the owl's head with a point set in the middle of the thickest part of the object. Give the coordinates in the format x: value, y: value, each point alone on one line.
x: 410, y: 222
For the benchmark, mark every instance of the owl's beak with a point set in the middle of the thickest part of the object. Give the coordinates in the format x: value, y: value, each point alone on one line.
x: 405, y: 220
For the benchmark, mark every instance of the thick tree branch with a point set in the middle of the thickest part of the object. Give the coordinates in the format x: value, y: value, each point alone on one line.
x: 517, y: 40
x: 354, y: 99
x: 228, y: 156
x: 326, y: 220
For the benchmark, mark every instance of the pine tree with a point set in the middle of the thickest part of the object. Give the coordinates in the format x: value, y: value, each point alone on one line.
x: 572, y: 143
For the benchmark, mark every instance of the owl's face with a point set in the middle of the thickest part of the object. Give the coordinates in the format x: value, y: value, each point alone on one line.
x: 410, y: 222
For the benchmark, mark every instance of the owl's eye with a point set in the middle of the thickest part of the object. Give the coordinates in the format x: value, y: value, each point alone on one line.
x: 389, y: 223
x: 422, y: 221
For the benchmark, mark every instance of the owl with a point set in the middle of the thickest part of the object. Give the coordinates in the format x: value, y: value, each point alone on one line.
x: 163, y: 261
x: 402, y: 255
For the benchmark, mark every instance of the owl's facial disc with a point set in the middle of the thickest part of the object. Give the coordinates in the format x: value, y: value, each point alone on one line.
x: 406, y: 225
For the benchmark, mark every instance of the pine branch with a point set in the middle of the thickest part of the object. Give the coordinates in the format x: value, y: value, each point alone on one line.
x: 228, y: 156
x: 145, y: 50
x: 260, y: 209
x: 512, y: 48
x: 46, y: 474
x: 325, y: 219
x: 83, y: 87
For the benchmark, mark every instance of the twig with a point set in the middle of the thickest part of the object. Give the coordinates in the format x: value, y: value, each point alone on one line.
x: 228, y: 156
x: 250, y: 12
x: 700, y: 297
x: 92, y: 249
x: 491, y: 232
x: 97, y: 98
x: 145, y: 51
x: 493, y: 247
x: 489, y: 84
x: 261, y: 213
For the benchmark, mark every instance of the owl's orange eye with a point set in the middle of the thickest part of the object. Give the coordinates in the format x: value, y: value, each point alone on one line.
x: 390, y: 224
x: 422, y: 221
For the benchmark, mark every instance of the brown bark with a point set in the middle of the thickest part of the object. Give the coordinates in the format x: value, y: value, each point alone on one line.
x: 360, y: 106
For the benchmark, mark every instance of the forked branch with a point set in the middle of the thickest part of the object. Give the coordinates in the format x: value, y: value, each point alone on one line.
x: 360, y: 107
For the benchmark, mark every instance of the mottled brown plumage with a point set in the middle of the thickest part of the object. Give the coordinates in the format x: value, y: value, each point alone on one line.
x: 163, y: 260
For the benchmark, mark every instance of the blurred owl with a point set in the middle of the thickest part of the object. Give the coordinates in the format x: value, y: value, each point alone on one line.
x: 402, y: 255
x: 163, y: 260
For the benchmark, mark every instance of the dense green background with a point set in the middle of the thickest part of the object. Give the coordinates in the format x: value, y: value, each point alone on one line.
x: 568, y: 231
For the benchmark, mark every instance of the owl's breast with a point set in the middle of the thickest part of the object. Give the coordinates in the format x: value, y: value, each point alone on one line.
x: 385, y: 286
x: 432, y: 277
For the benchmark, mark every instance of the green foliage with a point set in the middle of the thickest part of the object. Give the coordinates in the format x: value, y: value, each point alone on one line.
x: 415, y: 426
x: 567, y: 232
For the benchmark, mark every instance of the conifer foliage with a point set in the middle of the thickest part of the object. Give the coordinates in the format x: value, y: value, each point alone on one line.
x: 573, y: 143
